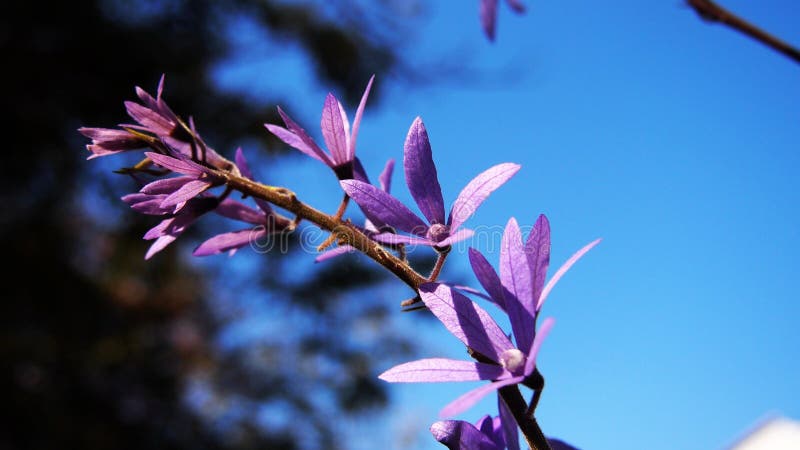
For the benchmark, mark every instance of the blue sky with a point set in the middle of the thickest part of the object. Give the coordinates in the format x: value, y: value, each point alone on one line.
x: 675, y: 141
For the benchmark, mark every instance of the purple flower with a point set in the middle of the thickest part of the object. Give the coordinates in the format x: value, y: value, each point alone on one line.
x: 341, y: 142
x: 523, y: 270
x: 422, y: 181
x: 477, y: 330
x: 519, y: 290
x: 266, y: 221
x: 194, y: 180
x: 153, y: 117
x: 488, y: 14
x: 498, y: 433
x: 107, y: 141
x: 486, y: 434
x: 168, y: 230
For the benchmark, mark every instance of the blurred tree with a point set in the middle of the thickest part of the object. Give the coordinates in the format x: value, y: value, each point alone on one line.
x: 102, y: 350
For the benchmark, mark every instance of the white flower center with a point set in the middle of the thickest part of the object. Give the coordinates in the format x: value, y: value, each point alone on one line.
x: 513, y: 360
x: 438, y: 232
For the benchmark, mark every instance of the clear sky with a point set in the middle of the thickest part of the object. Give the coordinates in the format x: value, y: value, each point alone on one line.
x: 675, y: 141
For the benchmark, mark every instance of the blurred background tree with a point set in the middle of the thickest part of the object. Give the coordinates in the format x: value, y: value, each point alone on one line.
x: 101, y: 349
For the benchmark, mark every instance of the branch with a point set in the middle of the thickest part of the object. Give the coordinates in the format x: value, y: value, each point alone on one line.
x: 710, y: 11
x: 345, y: 232
x: 530, y: 428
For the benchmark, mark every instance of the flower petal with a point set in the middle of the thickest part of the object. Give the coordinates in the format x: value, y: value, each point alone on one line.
x: 517, y: 6
x: 544, y: 330
x: 236, y: 210
x: 477, y: 190
x: 421, y: 173
x: 465, y: 320
x: 460, y: 435
x: 182, y: 166
x: 460, y: 235
x: 537, y: 247
x: 241, y: 163
x: 469, y: 399
x: 165, y: 185
x: 435, y: 370
x: 334, y: 252
x: 229, y: 241
x: 487, y: 277
x: 381, y: 206
x: 562, y: 270
x: 357, y: 118
x: 333, y: 130
x: 397, y: 239
x: 187, y: 192
x: 515, y: 277
x: 488, y: 15
x: 295, y: 136
x: 385, y: 178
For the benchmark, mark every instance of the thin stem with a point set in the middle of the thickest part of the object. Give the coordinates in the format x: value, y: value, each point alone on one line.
x: 530, y: 428
x: 712, y: 12
x: 437, y: 268
x: 345, y: 232
x: 337, y: 217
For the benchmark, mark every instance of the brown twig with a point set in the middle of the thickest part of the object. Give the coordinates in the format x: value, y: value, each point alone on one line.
x: 344, y: 232
x: 710, y: 11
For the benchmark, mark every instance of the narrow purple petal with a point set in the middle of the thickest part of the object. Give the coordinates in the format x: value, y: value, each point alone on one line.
x: 477, y: 190
x: 488, y: 15
x: 187, y: 192
x: 541, y: 335
x: 241, y: 163
x: 150, y: 119
x: 509, y: 425
x: 332, y: 253
x: 562, y: 270
x: 236, y: 210
x: 385, y: 178
x: 333, y: 130
x: 383, y: 207
x: 435, y: 370
x: 295, y: 136
x: 465, y: 320
x: 515, y: 277
x: 487, y: 277
x: 357, y: 118
x: 537, y: 247
x: 460, y: 235
x: 229, y: 241
x: 159, y: 230
x: 517, y: 6
x: 296, y: 142
x: 185, y: 167
x: 421, y: 173
x: 160, y: 244
x: 460, y: 435
x: 165, y: 185
x: 397, y: 239
x: 359, y: 173
x: 147, y: 204
x: 469, y: 399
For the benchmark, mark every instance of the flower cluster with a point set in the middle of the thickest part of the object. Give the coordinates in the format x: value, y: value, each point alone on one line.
x: 181, y: 179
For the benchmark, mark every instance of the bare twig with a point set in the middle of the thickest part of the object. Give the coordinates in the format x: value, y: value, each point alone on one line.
x: 710, y: 11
